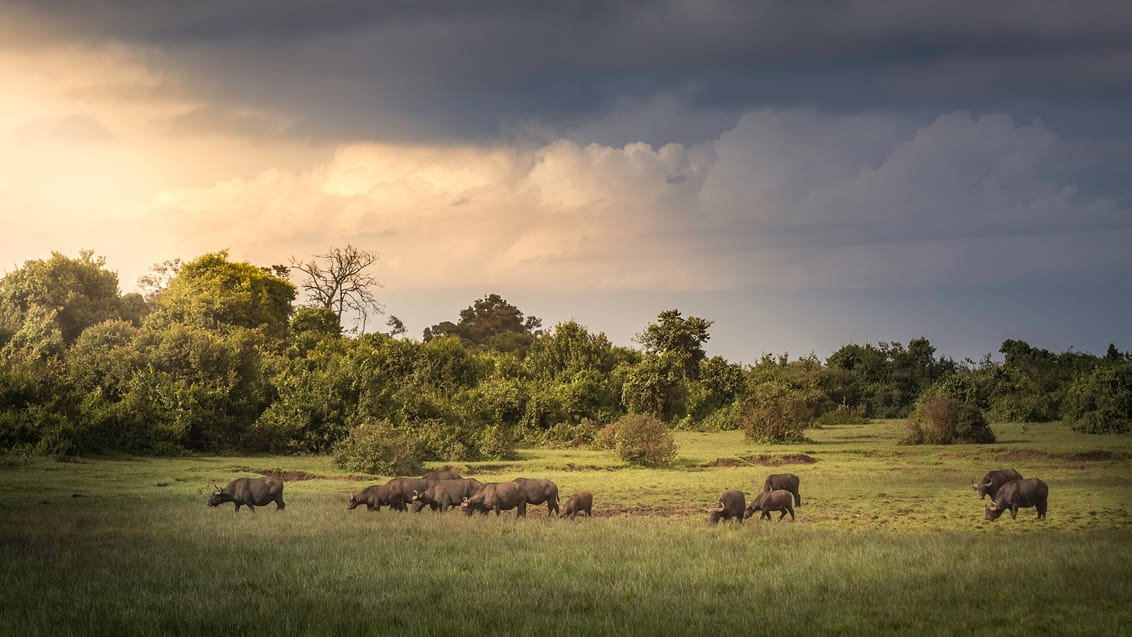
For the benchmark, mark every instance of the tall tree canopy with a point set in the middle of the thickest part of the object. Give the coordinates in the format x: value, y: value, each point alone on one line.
x: 679, y: 339
x: 214, y: 293
x: 77, y: 292
x: 490, y: 321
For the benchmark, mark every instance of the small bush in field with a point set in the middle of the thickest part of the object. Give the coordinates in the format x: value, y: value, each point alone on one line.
x: 776, y: 412
x: 378, y: 448
x: 640, y: 439
x: 942, y: 420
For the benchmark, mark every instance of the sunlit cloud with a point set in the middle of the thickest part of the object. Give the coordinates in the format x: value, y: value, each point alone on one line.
x: 794, y: 199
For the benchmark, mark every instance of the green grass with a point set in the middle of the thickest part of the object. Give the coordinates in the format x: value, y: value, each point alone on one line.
x: 889, y: 540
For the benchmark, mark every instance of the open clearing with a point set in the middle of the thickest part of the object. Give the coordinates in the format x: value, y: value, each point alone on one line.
x: 889, y: 540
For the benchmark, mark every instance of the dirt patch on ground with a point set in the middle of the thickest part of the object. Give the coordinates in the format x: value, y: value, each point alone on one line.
x: 1020, y: 454
x: 1093, y: 456
x: 764, y: 460
x: 1098, y: 455
x: 286, y: 476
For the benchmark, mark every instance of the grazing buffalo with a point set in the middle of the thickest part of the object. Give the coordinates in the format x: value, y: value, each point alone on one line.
x: 993, y: 481
x: 405, y: 487
x: 1017, y: 494
x: 580, y: 502
x: 730, y: 506
x: 447, y: 493
x: 249, y: 492
x: 442, y: 474
x: 375, y: 497
x: 539, y: 491
x: 786, y: 482
x: 767, y: 501
x: 497, y: 496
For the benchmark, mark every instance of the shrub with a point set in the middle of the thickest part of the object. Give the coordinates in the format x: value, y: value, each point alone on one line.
x: 942, y: 420
x: 495, y: 444
x: 378, y: 448
x: 775, y: 412
x: 565, y: 435
x: 1101, y: 402
x: 642, y: 439
x: 1096, y: 422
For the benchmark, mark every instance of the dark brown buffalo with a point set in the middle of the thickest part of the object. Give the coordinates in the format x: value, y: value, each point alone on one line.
x: 375, y: 497
x: 730, y: 506
x: 448, y: 493
x: 497, y: 496
x: 249, y: 492
x: 767, y: 501
x: 539, y: 491
x: 405, y: 487
x: 580, y: 502
x: 994, y: 480
x: 1017, y: 494
x: 442, y: 474
x: 786, y: 482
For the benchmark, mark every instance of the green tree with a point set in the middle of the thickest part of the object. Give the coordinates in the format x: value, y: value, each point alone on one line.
x: 678, y: 339
x: 1101, y: 401
x: 775, y: 412
x: 214, y: 293
x: 78, y: 292
x: 490, y: 322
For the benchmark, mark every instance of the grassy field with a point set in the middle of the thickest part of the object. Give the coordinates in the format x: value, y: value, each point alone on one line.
x: 889, y: 540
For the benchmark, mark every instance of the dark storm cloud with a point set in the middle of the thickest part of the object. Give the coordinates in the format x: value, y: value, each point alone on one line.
x: 469, y: 70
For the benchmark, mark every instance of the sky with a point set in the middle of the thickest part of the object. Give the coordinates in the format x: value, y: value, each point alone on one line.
x: 804, y: 175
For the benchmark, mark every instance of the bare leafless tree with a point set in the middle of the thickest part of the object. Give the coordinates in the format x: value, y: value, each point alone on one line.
x: 338, y: 281
x: 152, y: 283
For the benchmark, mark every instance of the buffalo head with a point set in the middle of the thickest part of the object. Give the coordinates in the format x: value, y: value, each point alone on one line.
x: 993, y: 512
x: 218, y: 497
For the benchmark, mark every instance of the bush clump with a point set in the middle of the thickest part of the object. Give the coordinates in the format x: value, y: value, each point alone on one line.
x: 943, y: 420
x: 565, y: 435
x: 377, y: 448
x: 776, y: 413
x: 844, y: 414
x: 639, y: 439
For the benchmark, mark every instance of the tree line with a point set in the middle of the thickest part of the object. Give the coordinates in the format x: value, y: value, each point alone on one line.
x: 216, y: 356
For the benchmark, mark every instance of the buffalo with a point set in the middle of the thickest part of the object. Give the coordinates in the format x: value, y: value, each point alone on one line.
x: 786, y: 482
x: 405, y: 487
x: 1017, y: 494
x: 249, y: 492
x: 497, y: 496
x: 580, y: 502
x: 375, y: 497
x: 447, y: 493
x: 539, y: 491
x: 442, y: 474
x: 993, y: 481
x: 730, y: 506
x: 767, y: 501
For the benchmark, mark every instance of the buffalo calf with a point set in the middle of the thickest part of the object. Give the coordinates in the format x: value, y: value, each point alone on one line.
x: 580, y: 502
x: 767, y: 501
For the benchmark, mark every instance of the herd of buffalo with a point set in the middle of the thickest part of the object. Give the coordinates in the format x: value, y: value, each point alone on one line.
x: 444, y: 489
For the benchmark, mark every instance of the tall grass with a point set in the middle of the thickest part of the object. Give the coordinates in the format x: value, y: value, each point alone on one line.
x: 889, y: 540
